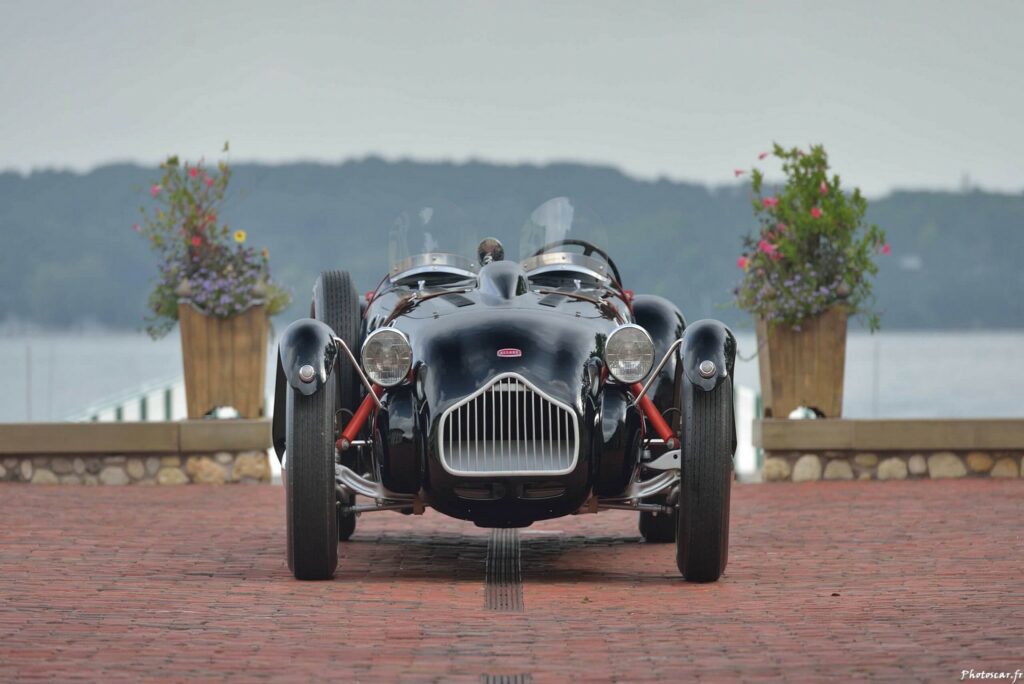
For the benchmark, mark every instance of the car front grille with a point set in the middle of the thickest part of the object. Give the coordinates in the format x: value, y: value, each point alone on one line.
x: 509, y: 427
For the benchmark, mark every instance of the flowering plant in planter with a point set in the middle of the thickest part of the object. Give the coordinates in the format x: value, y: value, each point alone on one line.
x: 200, y: 258
x: 813, y: 248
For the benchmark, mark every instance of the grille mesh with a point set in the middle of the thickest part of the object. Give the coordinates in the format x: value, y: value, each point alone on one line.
x: 509, y: 427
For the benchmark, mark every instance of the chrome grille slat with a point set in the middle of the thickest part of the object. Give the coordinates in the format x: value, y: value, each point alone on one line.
x: 528, y: 432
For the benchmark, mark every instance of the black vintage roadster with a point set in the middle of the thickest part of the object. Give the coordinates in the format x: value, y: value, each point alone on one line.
x: 503, y: 392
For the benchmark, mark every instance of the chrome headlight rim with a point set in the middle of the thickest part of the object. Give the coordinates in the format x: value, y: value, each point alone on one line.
x: 372, y: 375
x: 620, y: 377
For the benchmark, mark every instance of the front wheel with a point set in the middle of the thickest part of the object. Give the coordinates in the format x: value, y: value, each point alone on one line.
x: 702, y: 536
x: 311, y: 500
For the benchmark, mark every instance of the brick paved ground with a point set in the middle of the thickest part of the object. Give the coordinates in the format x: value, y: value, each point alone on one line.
x: 901, y: 581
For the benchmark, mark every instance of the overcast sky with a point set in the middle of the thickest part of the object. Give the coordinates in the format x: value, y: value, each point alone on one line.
x: 903, y: 94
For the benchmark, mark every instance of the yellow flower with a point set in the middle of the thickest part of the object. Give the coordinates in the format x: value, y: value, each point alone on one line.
x: 239, y: 236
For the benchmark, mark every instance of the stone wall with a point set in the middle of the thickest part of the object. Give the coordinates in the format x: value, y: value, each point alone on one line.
x: 222, y: 467
x: 808, y: 465
x: 143, y: 453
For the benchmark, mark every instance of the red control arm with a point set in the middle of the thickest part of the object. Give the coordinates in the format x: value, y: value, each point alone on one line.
x: 351, y: 430
x: 655, y: 419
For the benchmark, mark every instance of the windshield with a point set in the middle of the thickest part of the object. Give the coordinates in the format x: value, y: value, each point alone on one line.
x: 434, y: 239
x: 437, y: 240
x: 558, y: 225
x: 564, y: 237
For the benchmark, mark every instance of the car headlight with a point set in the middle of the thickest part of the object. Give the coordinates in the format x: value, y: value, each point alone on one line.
x: 387, y: 357
x: 629, y: 353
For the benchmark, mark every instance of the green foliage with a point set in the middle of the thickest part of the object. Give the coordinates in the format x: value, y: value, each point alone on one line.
x: 65, y: 261
x: 813, y: 249
x: 200, y: 258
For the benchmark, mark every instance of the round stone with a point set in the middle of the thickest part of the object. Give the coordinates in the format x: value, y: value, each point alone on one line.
x: 78, y: 465
x: 838, y: 469
x: 26, y: 470
x: 44, y: 477
x: 807, y: 468
x: 70, y: 479
x: 152, y: 465
x: 136, y: 468
x: 3, y: 473
x: 171, y: 476
x: 252, y: 464
x: 113, y: 475
x: 62, y: 466
x: 224, y: 457
x: 93, y: 466
x: 90, y: 480
x: 204, y: 470
x: 979, y: 462
x: 1005, y: 467
x: 945, y: 464
x: 775, y: 469
x: 892, y: 469
x: 917, y: 465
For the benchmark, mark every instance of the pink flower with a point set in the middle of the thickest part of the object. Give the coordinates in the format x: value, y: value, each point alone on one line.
x: 886, y: 249
x: 824, y: 188
x: 771, y: 202
x: 815, y: 212
x: 763, y: 155
x: 155, y: 190
x: 193, y: 172
x: 782, y: 227
x: 743, y: 262
x: 196, y: 241
x: 209, y: 181
x: 766, y: 247
x: 738, y: 172
x: 135, y: 227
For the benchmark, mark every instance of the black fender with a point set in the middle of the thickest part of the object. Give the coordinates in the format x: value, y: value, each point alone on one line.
x: 708, y: 340
x: 664, y: 322
x: 396, y: 443
x: 617, y: 442
x: 306, y: 342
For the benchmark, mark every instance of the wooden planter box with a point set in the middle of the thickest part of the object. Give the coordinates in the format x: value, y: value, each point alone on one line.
x: 225, y: 360
x: 803, y: 367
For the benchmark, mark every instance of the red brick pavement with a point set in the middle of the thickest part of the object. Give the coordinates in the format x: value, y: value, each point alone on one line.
x: 899, y: 581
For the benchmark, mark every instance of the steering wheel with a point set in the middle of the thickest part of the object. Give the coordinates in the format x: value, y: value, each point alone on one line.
x: 589, y: 249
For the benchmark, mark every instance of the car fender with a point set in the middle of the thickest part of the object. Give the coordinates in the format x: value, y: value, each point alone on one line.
x: 664, y: 322
x: 306, y: 342
x: 708, y: 340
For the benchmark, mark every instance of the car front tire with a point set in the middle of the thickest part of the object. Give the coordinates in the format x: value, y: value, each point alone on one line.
x: 311, y: 499
x: 702, y: 536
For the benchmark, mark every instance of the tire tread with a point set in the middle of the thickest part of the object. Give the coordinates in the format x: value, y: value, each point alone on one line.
x: 702, y: 540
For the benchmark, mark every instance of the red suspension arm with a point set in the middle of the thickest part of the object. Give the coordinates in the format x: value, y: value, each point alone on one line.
x: 351, y: 430
x: 655, y: 419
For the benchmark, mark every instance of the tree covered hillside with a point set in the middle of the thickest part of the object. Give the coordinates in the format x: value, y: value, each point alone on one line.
x: 68, y: 255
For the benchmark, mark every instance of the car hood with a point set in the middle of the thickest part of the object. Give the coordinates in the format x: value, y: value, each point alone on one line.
x: 458, y: 354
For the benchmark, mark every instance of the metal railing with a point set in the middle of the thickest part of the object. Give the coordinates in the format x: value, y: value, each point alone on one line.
x: 159, y: 400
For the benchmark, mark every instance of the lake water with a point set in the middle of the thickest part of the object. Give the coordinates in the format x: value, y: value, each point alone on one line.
x: 890, y: 374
